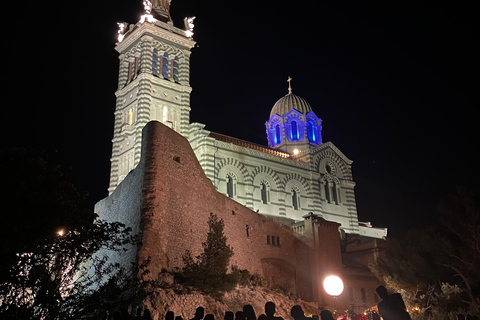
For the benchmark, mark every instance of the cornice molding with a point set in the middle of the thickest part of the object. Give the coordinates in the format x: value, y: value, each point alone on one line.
x: 154, y: 29
x: 259, y: 154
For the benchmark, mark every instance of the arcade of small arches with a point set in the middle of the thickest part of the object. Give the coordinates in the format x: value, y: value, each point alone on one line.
x: 165, y: 63
x: 266, y: 187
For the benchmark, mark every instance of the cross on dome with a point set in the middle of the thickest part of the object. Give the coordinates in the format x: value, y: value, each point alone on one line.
x: 289, y: 80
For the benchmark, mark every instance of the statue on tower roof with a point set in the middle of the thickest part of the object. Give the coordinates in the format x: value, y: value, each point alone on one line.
x: 161, y: 10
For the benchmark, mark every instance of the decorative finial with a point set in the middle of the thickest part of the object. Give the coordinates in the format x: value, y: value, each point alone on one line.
x: 121, y: 31
x: 289, y: 85
x: 189, y: 26
x: 147, y: 6
x: 148, y: 12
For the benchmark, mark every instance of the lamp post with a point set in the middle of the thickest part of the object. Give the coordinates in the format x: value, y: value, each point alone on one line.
x: 333, y: 285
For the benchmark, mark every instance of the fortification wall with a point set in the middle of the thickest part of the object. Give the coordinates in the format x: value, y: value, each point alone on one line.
x: 178, y: 199
x: 124, y: 205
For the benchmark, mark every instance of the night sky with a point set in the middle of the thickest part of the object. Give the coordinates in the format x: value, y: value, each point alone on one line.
x: 393, y: 82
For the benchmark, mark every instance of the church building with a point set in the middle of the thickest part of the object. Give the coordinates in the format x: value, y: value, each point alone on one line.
x: 287, y: 206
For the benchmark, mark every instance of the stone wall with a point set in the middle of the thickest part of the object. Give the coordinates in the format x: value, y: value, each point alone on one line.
x: 178, y: 199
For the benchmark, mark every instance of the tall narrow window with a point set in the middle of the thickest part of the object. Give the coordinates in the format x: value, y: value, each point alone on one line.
x: 130, y: 117
x: 155, y: 63
x: 165, y: 115
x: 294, y: 133
x: 264, y: 192
x: 230, y: 187
x: 295, y: 200
x: 137, y: 67
x: 335, y: 194
x: 165, y: 69
x: 129, y: 78
x: 327, y: 192
x: 175, y: 70
x: 364, y: 295
x: 311, y: 127
x: 268, y: 239
x: 278, y: 134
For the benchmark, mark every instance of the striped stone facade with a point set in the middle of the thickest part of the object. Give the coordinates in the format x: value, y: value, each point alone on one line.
x: 145, y: 93
x: 268, y: 181
x: 251, y: 165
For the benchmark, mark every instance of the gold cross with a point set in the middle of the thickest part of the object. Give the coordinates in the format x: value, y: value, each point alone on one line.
x: 289, y: 85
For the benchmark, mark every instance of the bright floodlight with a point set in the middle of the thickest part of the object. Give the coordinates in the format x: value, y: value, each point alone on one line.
x: 333, y: 285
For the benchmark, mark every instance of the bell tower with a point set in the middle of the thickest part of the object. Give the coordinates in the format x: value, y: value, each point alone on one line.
x: 153, y: 83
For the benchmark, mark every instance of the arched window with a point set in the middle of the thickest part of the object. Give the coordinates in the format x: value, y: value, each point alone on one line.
x: 327, y: 192
x: 278, y: 134
x: 155, y: 63
x: 230, y: 187
x: 294, y: 131
x: 264, y: 192
x: 175, y: 70
x: 165, y: 69
x: 130, y: 117
x: 165, y: 115
x: 311, y: 127
x: 334, y: 191
x: 295, y: 199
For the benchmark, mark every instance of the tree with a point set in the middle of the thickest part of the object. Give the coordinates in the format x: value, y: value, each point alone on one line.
x: 209, y: 272
x: 437, y: 268
x: 47, y: 274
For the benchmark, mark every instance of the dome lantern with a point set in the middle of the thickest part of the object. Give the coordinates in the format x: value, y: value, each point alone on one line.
x: 293, y: 126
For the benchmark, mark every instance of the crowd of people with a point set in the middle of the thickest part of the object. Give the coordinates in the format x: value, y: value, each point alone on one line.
x: 248, y: 313
x: 391, y: 307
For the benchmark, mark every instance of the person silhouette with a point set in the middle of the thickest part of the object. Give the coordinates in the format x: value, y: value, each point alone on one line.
x: 199, y: 313
x: 239, y: 315
x: 147, y: 315
x: 326, y: 315
x: 228, y: 315
x: 392, y: 306
x: 270, y: 311
x: 297, y: 313
x: 209, y: 317
x: 170, y: 315
x: 249, y: 312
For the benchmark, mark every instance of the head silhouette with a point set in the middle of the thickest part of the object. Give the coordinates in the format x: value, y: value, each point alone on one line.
x: 269, y: 309
x: 228, y: 315
x: 326, y: 315
x: 199, y: 313
x: 382, y: 292
x: 297, y: 312
x: 170, y: 315
x: 239, y: 315
x: 209, y: 317
x: 249, y: 312
x: 147, y: 315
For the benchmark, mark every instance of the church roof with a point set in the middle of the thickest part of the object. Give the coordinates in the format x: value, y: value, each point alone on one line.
x: 246, y: 144
x: 290, y: 102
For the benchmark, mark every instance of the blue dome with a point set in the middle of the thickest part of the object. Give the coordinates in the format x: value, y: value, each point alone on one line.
x: 290, y: 102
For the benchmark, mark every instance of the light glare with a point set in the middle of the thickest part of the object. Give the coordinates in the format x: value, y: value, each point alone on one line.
x: 333, y: 285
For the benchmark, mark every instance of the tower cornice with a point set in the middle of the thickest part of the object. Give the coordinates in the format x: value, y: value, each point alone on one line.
x: 160, y: 29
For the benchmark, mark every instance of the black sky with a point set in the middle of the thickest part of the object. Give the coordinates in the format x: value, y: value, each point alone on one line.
x: 395, y: 83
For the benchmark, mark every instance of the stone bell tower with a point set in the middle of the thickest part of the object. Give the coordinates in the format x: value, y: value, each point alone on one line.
x: 153, y: 83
